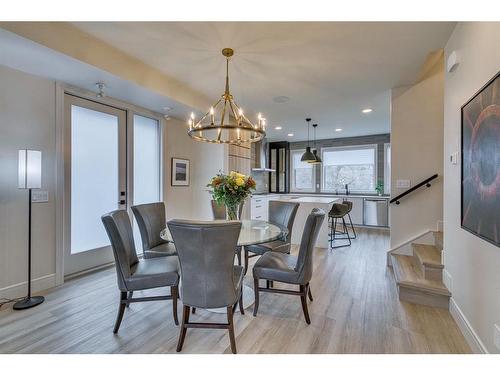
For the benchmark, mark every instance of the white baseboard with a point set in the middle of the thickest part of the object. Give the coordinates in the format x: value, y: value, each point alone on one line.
x: 470, y: 335
x: 447, y: 280
x: 21, y: 289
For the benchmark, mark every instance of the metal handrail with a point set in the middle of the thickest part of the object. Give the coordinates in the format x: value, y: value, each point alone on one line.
x: 426, y: 182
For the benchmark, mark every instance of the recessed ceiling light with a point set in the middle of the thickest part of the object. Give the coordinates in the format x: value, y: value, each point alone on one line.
x: 367, y: 110
x: 278, y: 128
x: 338, y: 130
x: 290, y: 134
x: 281, y: 99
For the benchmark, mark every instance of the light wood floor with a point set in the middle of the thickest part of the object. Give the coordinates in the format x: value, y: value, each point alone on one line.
x: 355, y: 310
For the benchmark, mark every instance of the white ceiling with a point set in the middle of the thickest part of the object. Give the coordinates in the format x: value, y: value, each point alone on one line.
x: 27, y: 56
x: 329, y: 70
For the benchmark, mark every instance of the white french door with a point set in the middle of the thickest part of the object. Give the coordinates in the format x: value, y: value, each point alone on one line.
x: 95, y: 142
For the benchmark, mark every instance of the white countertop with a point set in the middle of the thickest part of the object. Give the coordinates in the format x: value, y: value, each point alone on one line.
x: 323, y: 195
x: 317, y: 200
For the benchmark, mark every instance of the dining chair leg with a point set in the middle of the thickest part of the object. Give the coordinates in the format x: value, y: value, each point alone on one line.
x: 245, y: 269
x: 182, y: 333
x: 121, y: 310
x: 130, y: 294
x: 309, y: 293
x: 303, y: 300
x: 256, y: 291
x: 242, y: 310
x: 231, y: 328
x: 175, y: 294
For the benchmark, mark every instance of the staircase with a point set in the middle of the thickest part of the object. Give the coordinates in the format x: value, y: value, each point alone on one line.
x: 419, y: 276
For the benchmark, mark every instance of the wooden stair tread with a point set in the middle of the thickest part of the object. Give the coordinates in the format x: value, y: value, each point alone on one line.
x: 408, y: 274
x: 428, y: 255
x: 438, y: 238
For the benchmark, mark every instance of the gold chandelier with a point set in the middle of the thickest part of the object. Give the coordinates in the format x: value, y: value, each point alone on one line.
x: 225, y: 121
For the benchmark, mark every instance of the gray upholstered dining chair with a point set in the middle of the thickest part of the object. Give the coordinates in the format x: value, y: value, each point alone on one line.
x: 209, y: 278
x: 281, y: 214
x: 134, y: 274
x: 289, y: 269
x: 151, y: 221
x: 219, y: 213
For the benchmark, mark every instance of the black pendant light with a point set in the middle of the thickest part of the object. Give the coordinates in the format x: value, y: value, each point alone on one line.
x: 317, y: 158
x: 308, y: 156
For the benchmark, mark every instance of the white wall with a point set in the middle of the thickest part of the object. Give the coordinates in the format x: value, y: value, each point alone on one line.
x: 191, y: 202
x: 473, y: 264
x: 27, y: 120
x: 417, y: 153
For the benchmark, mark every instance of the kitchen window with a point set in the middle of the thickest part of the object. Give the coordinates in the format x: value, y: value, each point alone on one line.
x: 303, y: 177
x: 355, y: 166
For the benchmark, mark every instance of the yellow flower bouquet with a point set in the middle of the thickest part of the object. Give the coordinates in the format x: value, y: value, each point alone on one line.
x: 231, y: 190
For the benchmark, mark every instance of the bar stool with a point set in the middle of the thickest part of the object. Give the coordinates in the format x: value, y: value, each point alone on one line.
x: 338, y: 211
x: 349, y: 204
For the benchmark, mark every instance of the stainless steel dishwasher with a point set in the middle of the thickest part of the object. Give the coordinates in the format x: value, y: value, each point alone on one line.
x: 375, y: 212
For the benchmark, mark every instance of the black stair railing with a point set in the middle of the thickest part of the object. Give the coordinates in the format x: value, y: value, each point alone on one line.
x: 426, y: 182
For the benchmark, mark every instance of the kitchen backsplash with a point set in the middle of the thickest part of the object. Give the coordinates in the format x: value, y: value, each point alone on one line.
x: 262, y: 181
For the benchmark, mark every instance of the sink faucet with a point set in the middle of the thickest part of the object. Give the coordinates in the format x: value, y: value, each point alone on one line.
x: 346, y: 189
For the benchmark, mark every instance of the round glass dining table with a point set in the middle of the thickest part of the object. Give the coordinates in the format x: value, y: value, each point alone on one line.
x: 253, y: 232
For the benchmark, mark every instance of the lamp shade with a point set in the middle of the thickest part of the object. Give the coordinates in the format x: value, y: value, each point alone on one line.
x: 307, y: 155
x: 317, y: 159
x: 30, y: 169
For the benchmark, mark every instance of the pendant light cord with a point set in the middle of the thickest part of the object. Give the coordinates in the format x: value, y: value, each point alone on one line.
x: 227, y: 75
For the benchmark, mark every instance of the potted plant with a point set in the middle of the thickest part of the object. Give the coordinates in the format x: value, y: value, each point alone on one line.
x: 231, y: 190
x: 379, y: 188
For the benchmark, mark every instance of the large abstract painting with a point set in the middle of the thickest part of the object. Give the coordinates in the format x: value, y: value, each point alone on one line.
x: 481, y: 163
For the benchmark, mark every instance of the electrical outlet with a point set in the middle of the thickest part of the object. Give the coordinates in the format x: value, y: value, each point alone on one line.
x: 496, y: 336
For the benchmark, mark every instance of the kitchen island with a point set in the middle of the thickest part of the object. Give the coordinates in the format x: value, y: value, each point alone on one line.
x: 306, y: 205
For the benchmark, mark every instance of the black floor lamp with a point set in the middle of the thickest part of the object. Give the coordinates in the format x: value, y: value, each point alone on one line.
x: 30, y: 177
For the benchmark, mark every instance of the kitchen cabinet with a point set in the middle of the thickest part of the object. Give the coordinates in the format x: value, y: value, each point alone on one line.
x: 278, y: 160
x: 259, y: 207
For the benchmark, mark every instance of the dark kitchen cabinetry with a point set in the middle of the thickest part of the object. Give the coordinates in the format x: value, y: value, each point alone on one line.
x: 279, y: 161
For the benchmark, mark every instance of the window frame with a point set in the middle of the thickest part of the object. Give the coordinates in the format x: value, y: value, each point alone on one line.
x: 293, y: 188
x: 371, y: 146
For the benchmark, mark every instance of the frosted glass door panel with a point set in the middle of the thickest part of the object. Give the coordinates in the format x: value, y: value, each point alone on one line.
x: 146, y: 166
x: 94, y: 176
x: 146, y: 160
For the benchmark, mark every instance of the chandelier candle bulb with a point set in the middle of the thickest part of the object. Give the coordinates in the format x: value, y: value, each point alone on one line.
x: 212, y: 115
